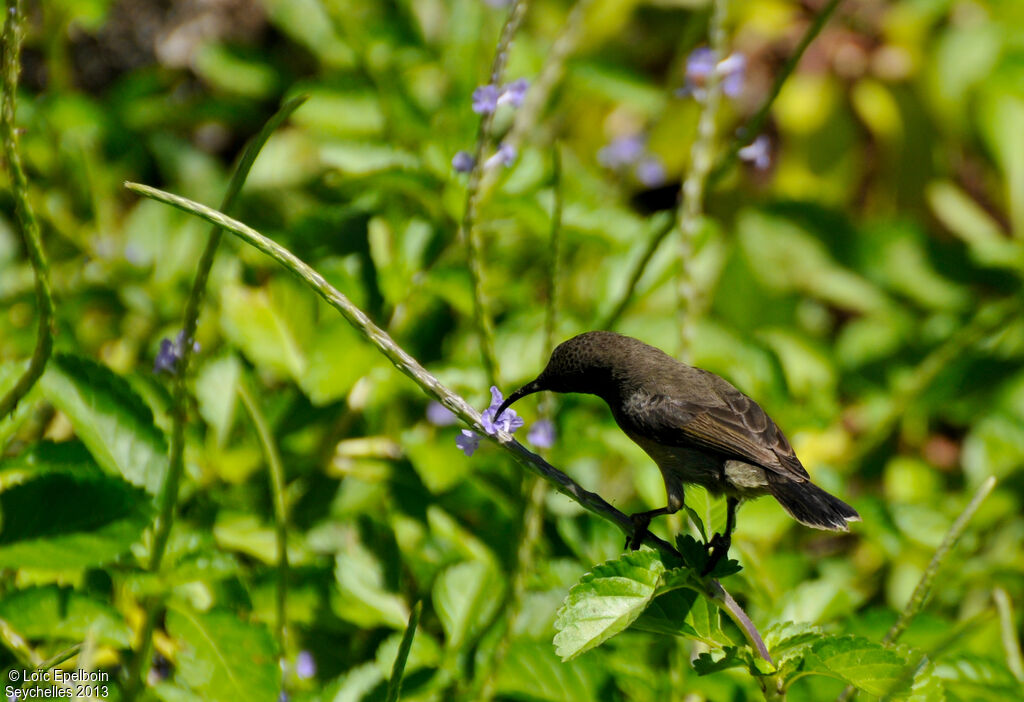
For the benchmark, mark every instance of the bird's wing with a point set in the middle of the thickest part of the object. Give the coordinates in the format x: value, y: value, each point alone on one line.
x: 736, y: 427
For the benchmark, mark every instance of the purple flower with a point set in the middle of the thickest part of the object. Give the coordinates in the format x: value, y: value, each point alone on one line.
x: 508, y: 422
x: 439, y: 415
x: 170, y: 354
x: 650, y: 172
x: 542, y: 434
x: 463, y: 162
x: 758, y: 153
x: 467, y: 441
x: 623, y: 151
x: 699, y: 65
x: 514, y: 93
x: 504, y: 156
x: 733, y: 71
x: 485, y: 99
x: 305, y: 665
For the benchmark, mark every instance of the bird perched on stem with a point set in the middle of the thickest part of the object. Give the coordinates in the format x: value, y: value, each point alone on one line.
x: 696, y: 426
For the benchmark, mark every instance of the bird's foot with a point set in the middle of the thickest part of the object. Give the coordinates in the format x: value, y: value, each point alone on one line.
x: 641, y: 521
x: 718, y: 547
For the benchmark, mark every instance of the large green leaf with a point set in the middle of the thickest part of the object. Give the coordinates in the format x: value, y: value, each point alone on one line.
x: 110, y: 419
x: 465, y: 597
x: 224, y: 658
x: 531, y: 670
x: 865, y: 664
x: 56, y: 613
x: 70, y: 520
x: 605, y: 601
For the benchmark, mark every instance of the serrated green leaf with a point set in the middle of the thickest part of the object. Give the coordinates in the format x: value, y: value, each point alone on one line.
x: 683, y: 612
x: 224, y: 658
x: 55, y: 613
x: 866, y: 665
x: 465, y: 597
x: 110, y: 419
x: 337, y: 358
x: 708, y: 662
x: 89, y: 519
x: 605, y: 601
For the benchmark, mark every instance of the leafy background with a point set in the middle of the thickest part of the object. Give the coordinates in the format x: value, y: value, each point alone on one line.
x: 865, y: 289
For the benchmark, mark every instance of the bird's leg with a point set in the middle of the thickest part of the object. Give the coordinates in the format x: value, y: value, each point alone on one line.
x: 642, y: 520
x: 719, y: 544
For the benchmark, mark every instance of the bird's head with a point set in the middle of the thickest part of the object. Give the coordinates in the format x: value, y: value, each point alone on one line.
x: 586, y: 363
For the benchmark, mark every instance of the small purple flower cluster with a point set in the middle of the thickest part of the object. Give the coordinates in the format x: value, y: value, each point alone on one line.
x: 169, y: 356
x: 631, y: 151
x: 732, y: 72
x: 486, y: 100
x: 541, y: 434
x: 699, y: 66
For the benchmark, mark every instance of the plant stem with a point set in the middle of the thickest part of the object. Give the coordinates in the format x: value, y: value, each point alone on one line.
x: 168, y: 496
x: 691, y: 206
x: 749, y: 130
x: 924, y: 586
x: 275, y: 470
x: 12, y: 35
x: 639, y: 268
x: 468, y: 229
x: 1008, y: 629
x: 746, y: 133
x: 427, y: 382
x: 398, y: 669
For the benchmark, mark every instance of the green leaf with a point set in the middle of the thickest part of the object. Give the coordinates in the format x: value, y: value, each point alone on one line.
x: 88, y: 519
x: 605, y: 601
x: 110, y: 419
x: 971, y: 676
x: 272, y: 325
x: 337, y: 357
x: 223, y: 658
x: 465, y: 597
x: 531, y: 670
x: 57, y: 613
x: 866, y: 665
x: 708, y: 662
x: 361, y: 597
x: 708, y: 513
x: 217, y: 394
x: 787, y: 258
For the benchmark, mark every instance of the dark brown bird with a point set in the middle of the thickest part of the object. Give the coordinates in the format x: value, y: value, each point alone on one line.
x: 696, y: 426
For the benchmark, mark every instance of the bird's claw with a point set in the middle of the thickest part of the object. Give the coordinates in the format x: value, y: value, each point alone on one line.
x: 640, y: 524
x: 718, y: 547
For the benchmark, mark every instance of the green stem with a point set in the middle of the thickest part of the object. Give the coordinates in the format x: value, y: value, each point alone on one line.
x: 1008, y: 630
x: 753, y: 126
x: 168, y: 496
x: 924, y: 587
x: 639, y: 268
x: 12, y: 35
x: 691, y: 206
x: 398, y: 669
x: 468, y: 229
x: 277, y: 487
x: 549, y: 77
x: 746, y: 133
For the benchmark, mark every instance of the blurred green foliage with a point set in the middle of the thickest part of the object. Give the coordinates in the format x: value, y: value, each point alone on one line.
x: 865, y: 290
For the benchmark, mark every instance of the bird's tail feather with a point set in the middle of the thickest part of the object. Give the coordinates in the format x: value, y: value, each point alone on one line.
x: 810, y: 505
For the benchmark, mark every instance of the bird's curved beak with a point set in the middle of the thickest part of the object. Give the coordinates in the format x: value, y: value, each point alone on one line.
x: 528, y: 389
